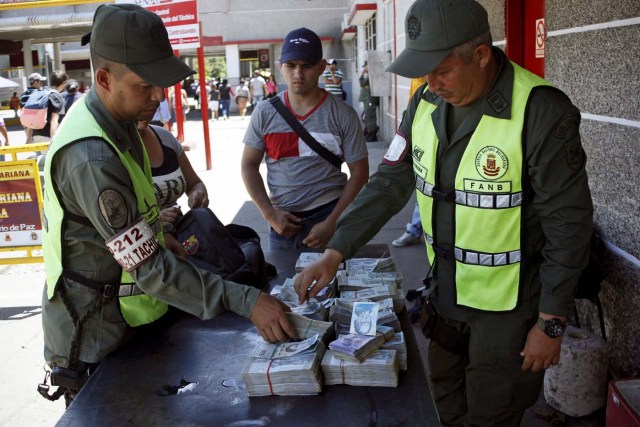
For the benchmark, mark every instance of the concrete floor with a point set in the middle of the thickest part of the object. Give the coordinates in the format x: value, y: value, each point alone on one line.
x: 21, y: 285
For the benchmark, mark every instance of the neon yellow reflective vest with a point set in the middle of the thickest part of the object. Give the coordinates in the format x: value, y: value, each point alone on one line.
x: 488, y: 201
x: 137, y: 309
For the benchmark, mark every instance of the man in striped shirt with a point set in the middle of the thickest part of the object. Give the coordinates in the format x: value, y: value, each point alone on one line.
x: 332, y: 78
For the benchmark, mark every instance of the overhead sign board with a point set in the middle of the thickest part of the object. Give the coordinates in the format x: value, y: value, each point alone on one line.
x: 179, y: 16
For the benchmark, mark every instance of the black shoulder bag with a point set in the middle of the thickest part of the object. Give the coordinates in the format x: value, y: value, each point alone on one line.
x: 304, y: 134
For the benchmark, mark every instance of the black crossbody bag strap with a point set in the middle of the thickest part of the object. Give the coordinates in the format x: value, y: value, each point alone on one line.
x: 304, y: 134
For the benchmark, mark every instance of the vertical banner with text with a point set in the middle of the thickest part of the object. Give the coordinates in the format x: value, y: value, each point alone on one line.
x: 20, y: 204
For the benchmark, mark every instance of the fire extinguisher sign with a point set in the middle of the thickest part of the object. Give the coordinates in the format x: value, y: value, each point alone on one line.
x: 541, y: 35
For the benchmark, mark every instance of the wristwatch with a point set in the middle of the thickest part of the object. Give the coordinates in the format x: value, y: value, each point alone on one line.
x: 170, y: 229
x: 553, y: 327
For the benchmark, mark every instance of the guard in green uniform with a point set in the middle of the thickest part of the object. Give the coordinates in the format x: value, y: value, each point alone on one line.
x: 109, y: 266
x: 494, y: 155
x: 370, y: 104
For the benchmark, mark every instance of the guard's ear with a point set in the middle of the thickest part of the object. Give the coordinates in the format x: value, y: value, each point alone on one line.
x: 482, y: 54
x: 103, y: 78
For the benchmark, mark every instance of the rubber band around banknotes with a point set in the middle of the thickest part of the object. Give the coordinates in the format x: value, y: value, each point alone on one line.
x: 342, y: 371
x: 269, y: 378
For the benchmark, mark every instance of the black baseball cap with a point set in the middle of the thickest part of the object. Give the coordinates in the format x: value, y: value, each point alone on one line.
x: 131, y: 35
x: 433, y: 28
x: 302, y: 45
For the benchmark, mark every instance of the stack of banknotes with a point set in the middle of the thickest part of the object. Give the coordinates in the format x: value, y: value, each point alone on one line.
x: 361, y: 280
x: 377, y: 293
x: 356, y: 347
x: 398, y: 344
x: 378, y: 370
x: 377, y: 265
x: 285, y: 375
x: 312, y: 308
x: 291, y: 368
x: 307, y: 258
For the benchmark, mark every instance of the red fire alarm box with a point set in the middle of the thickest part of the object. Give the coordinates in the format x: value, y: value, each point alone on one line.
x: 623, y: 403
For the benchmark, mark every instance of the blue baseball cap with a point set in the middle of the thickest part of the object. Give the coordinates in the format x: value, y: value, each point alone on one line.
x: 302, y: 45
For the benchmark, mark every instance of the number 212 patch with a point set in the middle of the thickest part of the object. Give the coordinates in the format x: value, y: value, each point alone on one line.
x: 133, y: 245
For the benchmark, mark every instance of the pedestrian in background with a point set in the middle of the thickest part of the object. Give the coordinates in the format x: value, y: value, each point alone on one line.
x: 226, y: 92
x: 332, y: 78
x: 55, y: 108
x: 14, y: 103
x: 272, y: 86
x: 258, y: 87
x: 242, y: 97
x: 370, y: 104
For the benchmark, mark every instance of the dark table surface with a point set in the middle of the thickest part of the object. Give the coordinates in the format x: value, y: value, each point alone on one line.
x: 131, y: 386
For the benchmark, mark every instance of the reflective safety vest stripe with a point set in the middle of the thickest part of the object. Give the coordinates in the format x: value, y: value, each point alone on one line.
x: 137, y: 309
x: 487, y: 200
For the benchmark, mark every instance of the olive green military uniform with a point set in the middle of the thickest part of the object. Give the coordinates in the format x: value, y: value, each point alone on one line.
x: 370, y: 104
x: 488, y: 385
x: 87, y: 174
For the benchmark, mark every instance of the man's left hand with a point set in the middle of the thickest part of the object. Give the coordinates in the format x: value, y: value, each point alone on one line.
x: 540, y: 351
x: 320, y: 234
x: 173, y: 245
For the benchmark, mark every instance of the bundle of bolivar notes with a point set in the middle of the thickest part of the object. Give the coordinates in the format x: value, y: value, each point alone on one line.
x: 372, y: 285
x: 291, y: 368
x: 305, y: 259
x: 398, y: 344
x: 312, y: 308
x: 380, y: 369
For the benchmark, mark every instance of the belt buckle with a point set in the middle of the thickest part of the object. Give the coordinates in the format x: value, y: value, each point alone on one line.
x: 108, y: 291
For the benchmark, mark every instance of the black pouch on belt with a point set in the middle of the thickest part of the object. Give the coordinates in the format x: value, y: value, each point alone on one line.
x: 433, y: 327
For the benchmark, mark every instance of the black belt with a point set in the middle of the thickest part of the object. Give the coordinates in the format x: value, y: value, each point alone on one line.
x: 311, y: 212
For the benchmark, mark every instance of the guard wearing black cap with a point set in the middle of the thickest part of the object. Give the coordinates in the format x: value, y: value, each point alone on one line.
x: 109, y: 265
x: 493, y: 153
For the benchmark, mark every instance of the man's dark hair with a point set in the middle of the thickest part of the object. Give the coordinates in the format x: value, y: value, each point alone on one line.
x: 115, y: 68
x: 58, y: 77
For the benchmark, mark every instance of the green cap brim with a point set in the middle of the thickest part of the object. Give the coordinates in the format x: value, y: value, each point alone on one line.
x: 413, y: 63
x: 164, y: 72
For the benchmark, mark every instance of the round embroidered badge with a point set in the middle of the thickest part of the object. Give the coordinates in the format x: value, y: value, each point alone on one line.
x: 491, y: 163
x: 413, y: 27
x: 191, y: 245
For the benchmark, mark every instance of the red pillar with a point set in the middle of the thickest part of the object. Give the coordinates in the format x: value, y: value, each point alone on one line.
x: 177, y: 96
x: 204, y: 103
x: 526, y: 33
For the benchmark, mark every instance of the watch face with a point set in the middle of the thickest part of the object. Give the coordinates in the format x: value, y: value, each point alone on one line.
x: 554, y: 327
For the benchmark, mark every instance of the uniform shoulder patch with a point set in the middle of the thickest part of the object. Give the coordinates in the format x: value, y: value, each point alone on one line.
x: 568, y: 125
x: 575, y: 154
x: 113, y: 208
x: 397, y: 150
